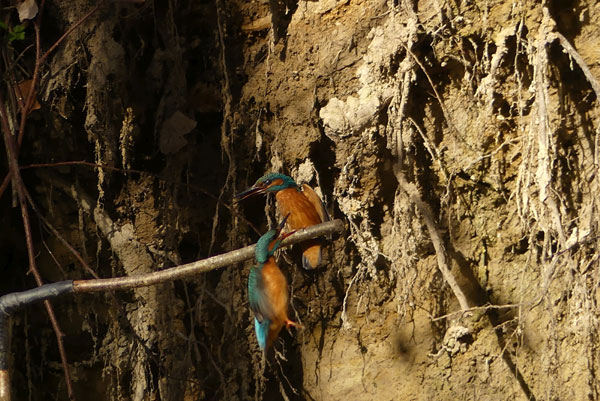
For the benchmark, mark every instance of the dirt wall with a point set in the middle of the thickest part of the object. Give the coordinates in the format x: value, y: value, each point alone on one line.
x: 457, y: 140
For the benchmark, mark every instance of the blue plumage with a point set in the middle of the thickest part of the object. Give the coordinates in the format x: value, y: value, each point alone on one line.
x: 262, y: 330
x: 267, y: 290
x: 259, y: 304
x: 271, y: 182
x: 266, y: 180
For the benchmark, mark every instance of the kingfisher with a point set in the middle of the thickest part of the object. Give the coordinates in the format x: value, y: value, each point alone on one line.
x: 268, y: 290
x: 303, y: 206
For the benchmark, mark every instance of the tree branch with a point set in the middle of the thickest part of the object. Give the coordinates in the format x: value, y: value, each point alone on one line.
x: 17, y: 180
x: 200, y: 266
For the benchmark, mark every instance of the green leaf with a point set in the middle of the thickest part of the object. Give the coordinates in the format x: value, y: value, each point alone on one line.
x: 16, y: 36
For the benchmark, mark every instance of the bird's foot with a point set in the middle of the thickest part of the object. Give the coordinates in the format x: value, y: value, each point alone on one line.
x: 289, y: 323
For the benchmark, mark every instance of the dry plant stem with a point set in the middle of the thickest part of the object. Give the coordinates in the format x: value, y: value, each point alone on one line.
x: 31, y: 95
x: 477, y: 308
x: 39, y: 60
x: 5, y: 183
x: 201, y: 266
x: 147, y: 174
x: 436, y: 239
x: 71, y: 29
x: 226, y: 140
x: 35, y: 76
x: 60, y: 237
x: 437, y: 95
x: 16, y: 177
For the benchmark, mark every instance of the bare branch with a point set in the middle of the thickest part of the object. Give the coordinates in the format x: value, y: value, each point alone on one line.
x: 18, y: 182
x: 201, y: 266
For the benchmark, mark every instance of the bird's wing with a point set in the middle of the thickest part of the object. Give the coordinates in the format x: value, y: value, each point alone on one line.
x: 259, y: 303
x: 262, y: 332
x: 318, y: 204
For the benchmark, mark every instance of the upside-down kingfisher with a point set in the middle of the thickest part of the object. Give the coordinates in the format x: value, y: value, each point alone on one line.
x: 304, y: 207
x: 268, y: 290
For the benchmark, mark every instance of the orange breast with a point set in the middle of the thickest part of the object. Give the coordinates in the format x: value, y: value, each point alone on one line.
x: 275, y: 287
x: 301, y: 210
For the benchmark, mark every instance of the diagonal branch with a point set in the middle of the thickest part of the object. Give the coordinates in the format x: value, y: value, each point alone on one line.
x: 436, y: 239
x: 120, y: 236
x: 55, y: 232
x: 564, y: 42
x: 17, y: 180
x: 217, y: 199
x: 14, y: 301
x: 200, y: 266
x: 39, y: 60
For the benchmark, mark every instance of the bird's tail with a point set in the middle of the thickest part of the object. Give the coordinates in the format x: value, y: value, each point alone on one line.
x: 262, y: 331
x: 311, y: 255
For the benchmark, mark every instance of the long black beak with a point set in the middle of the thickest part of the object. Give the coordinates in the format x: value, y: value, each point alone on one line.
x: 249, y: 192
x: 282, y: 224
x: 283, y: 236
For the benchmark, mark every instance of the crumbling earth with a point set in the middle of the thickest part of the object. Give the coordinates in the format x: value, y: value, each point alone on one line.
x: 457, y: 140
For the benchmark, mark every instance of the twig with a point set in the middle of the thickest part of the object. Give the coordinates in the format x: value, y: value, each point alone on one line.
x: 16, y: 177
x: 71, y: 29
x: 437, y: 95
x: 5, y: 183
x: 14, y: 301
x: 201, y: 266
x: 147, y: 174
x: 475, y: 308
x: 35, y: 76
x: 54, y: 231
x: 227, y: 100
x: 29, y: 99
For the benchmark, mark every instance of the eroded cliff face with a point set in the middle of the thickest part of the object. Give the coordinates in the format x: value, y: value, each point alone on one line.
x: 451, y: 135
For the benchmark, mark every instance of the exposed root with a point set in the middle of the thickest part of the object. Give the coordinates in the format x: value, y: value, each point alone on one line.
x: 436, y: 239
x: 578, y: 59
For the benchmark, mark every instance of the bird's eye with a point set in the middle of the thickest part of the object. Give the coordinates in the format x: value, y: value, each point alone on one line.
x: 267, y: 182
